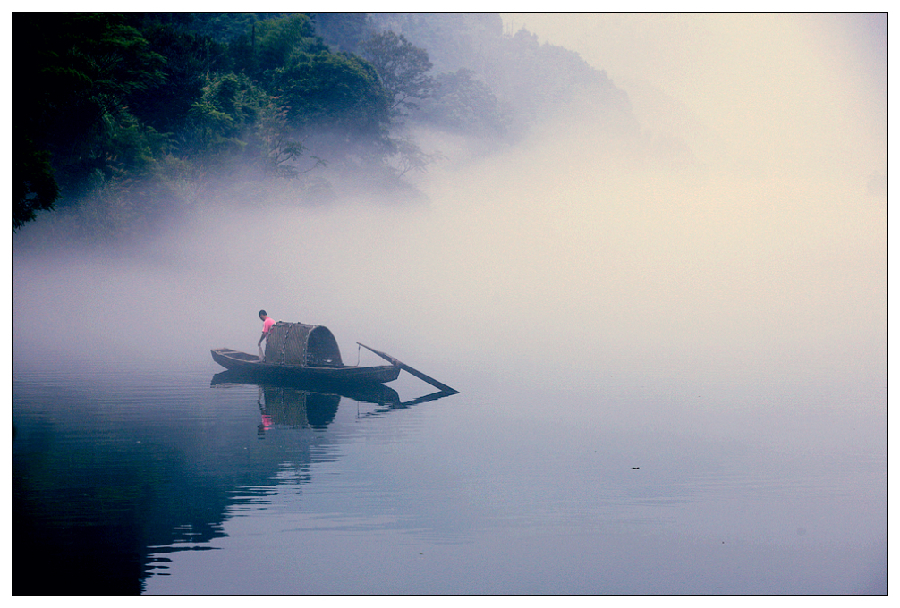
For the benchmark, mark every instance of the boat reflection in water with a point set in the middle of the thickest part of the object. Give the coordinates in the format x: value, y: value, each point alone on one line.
x: 306, y: 403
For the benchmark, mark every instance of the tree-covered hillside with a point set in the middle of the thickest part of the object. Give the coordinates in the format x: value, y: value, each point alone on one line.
x: 123, y: 120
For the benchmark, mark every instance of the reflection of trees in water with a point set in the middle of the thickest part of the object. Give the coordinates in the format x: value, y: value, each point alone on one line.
x: 99, y: 502
x: 87, y: 508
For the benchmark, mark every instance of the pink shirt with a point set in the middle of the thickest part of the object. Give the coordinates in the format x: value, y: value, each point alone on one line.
x: 267, y: 324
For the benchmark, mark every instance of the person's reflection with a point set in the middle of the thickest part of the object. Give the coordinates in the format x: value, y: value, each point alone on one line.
x: 265, y: 419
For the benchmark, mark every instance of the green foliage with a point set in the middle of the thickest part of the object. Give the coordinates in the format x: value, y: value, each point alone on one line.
x: 34, y: 188
x: 402, y: 67
x: 453, y: 40
x: 343, y: 32
x: 274, y: 44
x: 226, y: 28
x: 188, y: 60
x: 280, y: 149
x: 87, y: 66
x: 462, y: 102
x: 281, y: 42
x: 221, y: 122
x: 129, y: 147
x: 156, y: 108
x: 340, y: 93
x: 109, y: 105
x: 530, y: 80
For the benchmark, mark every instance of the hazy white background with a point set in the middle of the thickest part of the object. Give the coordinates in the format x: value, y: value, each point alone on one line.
x: 740, y: 240
x: 712, y: 290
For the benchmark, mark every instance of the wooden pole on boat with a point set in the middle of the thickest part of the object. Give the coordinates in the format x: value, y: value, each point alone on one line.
x: 414, y: 372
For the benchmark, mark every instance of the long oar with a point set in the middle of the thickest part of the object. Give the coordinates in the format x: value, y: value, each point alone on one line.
x: 411, y: 370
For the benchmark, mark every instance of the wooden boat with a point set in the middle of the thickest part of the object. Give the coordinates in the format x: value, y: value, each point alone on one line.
x: 310, y: 352
x: 237, y: 360
x: 367, y: 392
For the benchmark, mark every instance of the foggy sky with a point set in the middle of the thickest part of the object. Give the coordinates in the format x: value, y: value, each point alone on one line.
x: 740, y: 239
x: 787, y: 114
x: 803, y: 89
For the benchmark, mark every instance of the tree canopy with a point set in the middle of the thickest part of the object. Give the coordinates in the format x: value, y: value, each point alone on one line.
x: 127, y: 110
x: 403, y: 67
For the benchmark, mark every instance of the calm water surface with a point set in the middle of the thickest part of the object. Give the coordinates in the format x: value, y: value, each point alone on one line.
x: 154, y: 481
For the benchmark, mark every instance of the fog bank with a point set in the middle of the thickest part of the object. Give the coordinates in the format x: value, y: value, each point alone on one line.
x: 740, y: 240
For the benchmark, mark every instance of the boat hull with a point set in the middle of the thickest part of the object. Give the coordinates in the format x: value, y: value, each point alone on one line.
x: 369, y: 392
x: 237, y: 360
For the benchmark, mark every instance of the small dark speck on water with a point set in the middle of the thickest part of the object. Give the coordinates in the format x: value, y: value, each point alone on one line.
x: 635, y: 468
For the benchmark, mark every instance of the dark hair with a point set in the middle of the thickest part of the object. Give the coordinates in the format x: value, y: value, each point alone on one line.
x: 262, y: 312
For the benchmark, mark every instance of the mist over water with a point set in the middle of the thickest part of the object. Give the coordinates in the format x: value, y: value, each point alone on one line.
x: 569, y: 255
x: 723, y: 272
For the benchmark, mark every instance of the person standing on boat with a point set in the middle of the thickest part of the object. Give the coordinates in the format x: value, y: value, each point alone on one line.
x: 268, y: 322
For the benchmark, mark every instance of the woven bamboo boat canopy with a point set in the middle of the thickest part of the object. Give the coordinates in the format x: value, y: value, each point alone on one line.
x: 299, y: 344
